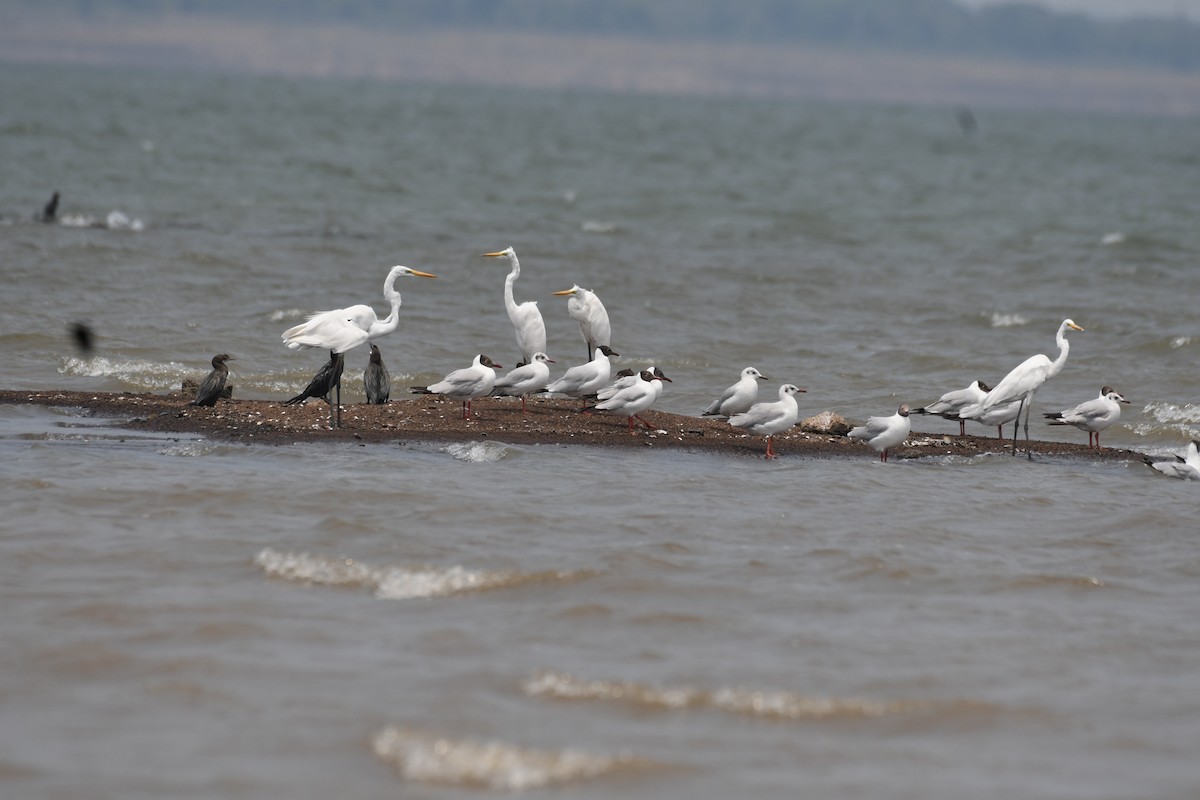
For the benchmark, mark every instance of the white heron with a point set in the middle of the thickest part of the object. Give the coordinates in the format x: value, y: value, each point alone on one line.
x: 585, y: 379
x: 466, y: 384
x: 344, y: 329
x: 525, y: 379
x: 737, y: 398
x: 635, y: 398
x: 768, y: 419
x: 377, y: 383
x: 214, y: 383
x: 884, y: 433
x: 1023, y: 381
x: 1187, y: 467
x: 585, y: 307
x: 1092, y: 416
x: 949, y: 404
x: 526, y: 319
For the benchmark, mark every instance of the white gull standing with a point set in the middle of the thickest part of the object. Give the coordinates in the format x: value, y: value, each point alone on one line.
x: 884, y: 433
x: 585, y: 379
x: 635, y: 398
x: 949, y: 404
x: 525, y: 380
x: 465, y: 384
x: 737, y: 398
x: 768, y: 419
x: 1092, y: 416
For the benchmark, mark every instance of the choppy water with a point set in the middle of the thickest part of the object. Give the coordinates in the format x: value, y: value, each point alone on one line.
x: 185, y: 618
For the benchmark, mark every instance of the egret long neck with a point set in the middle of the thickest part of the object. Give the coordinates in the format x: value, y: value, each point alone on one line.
x: 509, y: 302
x: 392, y: 321
x: 1064, y: 347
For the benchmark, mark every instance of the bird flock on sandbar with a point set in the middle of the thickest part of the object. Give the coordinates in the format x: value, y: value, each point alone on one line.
x: 635, y: 391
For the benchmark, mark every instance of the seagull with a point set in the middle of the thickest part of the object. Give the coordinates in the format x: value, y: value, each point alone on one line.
x: 585, y: 379
x: 737, y: 398
x: 377, y: 383
x: 949, y: 404
x: 1187, y: 468
x: 212, y: 386
x: 634, y: 399
x: 585, y: 308
x: 628, y: 377
x: 526, y: 319
x: 1023, y: 381
x: 768, y: 419
x: 322, y: 384
x: 999, y: 416
x: 1092, y: 416
x: 524, y: 380
x: 466, y: 384
x: 883, y: 433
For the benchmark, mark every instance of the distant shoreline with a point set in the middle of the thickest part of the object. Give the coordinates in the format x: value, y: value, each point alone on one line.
x: 550, y: 422
x: 563, y: 61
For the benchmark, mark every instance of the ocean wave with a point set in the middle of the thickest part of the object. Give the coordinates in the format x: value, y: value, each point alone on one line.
x: 398, y: 583
x: 478, y: 452
x: 429, y: 758
x: 1109, y: 239
x: 1007, y: 320
x: 284, y: 314
x: 782, y: 705
x: 115, y: 220
x: 596, y: 226
x: 138, y: 372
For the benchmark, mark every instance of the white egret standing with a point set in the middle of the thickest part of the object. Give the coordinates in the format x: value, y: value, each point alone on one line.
x: 1092, y: 416
x: 525, y: 317
x: 214, y: 383
x: 768, y: 419
x: 737, y: 398
x: 884, y: 433
x: 465, y: 384
x: 949, y: 404
x: 1023, y: 381
x: 344, y: 329
x: 585, y: 308
x: 525, y: 379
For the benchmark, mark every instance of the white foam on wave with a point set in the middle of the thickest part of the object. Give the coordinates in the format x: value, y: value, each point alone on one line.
x: 396, y: 583
x: 188, y: 450
x: 1109, y: 239
x: 1007, y: 320
x: 1183, y: 418
x: 429, y: 758
x: 771, y: 704
x: 478, y: 452
x: 284, y: 314
x: 115, y: 220
x: 597, y: 226
x: 139, y: 372
x: 1180, y: 341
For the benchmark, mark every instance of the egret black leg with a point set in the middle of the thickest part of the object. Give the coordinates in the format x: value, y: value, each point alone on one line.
x: 1016, y: 425
x: 1028, y: 449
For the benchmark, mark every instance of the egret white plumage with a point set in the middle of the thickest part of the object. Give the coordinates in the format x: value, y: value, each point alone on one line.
x: 1092, y: 416
x: 949, y: 404
x: 884, y: 433
x: 377, y: 383
x: 466, y: 384
x: 768, y: 419
x: 343, y: 329
x: 585, y: 307
x: 738, y: 397
x: 526, y: 319
x: 525, y: 379
x: 635, y: 398
x: 1186, y: 468
x: 585, y: 379
x: 1023, y: 381
x: 322, y: 385
x: 214, y: 383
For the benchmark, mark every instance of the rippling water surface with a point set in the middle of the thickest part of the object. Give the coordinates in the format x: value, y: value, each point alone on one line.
x: 187, y: 618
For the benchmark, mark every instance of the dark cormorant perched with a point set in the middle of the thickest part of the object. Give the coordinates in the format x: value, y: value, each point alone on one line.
x: 212, y: 386
x: 376, y: 380
x: 50, y: 210
x: 83, y: 336
x: 325, y: 381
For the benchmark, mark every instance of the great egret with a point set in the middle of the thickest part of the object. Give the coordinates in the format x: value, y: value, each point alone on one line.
x: 1023, y: 381
x: 344, y: 329
x: 884, y: 433
x: 585, y: 308
x: 526, y: 319
x: 585, y: 379
x: 768, y: 419
x: 1092, y: 416
x: 322, y: 385
x: 737, y: 398
x: 525, y: 379
x: 214, y: 383
x: 377, y: 383
x: 1187, y: 468
x: 635, y: 398
x: 466, y: 384
x: 949, y: 404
